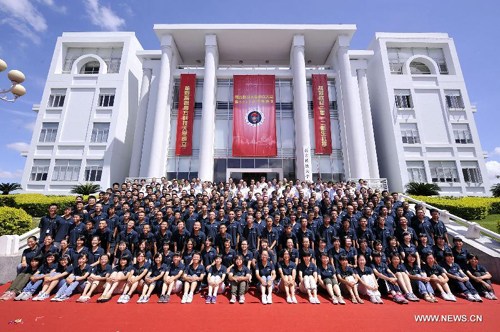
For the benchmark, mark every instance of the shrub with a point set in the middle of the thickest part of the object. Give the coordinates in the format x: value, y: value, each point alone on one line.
x: 7, y: 200
x: 37, y: 205
x: 14, y: 221
x: 495, y: 190
x: 6, y: 188
x: 469, y: 208
x: 86, y: 189
x: 422, y: 189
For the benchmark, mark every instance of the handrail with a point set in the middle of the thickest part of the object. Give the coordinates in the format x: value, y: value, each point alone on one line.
x: 23, y: 239
x: 474, y: 228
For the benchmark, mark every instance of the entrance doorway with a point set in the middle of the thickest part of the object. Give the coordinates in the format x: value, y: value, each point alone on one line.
x: 248, y: 174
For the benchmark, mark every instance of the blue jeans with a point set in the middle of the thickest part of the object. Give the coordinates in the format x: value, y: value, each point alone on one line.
x: 423, y: 287
x: 67, y: 290
x: 32, y: 287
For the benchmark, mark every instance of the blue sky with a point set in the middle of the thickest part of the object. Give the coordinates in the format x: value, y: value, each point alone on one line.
x: 29, y: 30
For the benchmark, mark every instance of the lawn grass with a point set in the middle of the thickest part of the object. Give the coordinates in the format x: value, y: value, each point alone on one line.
x: 490, y: 222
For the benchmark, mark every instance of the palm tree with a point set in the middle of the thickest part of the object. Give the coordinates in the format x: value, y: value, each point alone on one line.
x: 8, y: 187
x: 86, y: 189
x: 495, y: 190
x: 422, y: 189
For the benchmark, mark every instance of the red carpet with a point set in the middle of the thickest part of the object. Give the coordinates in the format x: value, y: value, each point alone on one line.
x: 280, y: 316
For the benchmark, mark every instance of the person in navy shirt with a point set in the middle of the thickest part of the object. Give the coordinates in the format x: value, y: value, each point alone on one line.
x: 48, y: 267
x: 459, y: 281
x: 209, y: 253
x: 216, y: 277
x: 480, y: 277
x: 348, y: 280
x: 193, y: 276
x: 171, y: 279
x: 76, y: 230
x: 404, y: 282
x: 139, y: 271
x: 153, y: 280
x: 62, y: 226
x: 28, y: 253
x: 459, y: 252
x: 308, y: 278
x: 419, y: 278
x: 266, y: 274
x: 335, y: 252
x: 387, y: 281
x: 327, y: 279
x: 95, y: 251
x: 55, y: 279
x: 367, y: 283
x: 75, y: 279
x: 47, y: 247
x: 287, y: 272
x: 440, y: 248
x: 438, y: 227
x: 97, y: 278
x: 228, y: 254
x: 120, y: 273
x: 49, y: 223
x: 438, y: 277
x: 251, y: 233
x: 247, y: 255
x: 239, y: 276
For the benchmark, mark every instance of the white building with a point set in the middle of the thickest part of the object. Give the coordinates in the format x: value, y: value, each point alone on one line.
x: 398, y: 110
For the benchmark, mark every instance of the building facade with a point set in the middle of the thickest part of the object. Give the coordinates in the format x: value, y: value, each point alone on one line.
x: 398, y: 110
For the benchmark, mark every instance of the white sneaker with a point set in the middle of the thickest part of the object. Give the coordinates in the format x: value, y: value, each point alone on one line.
x: 289, y: 299
x: 38, y: 297
x: 233, y: 299
x: 184, y: 298
x: 270, y: 299
x: 311, y: 300
x: 470, y: 297
x: 493, y: 296
x: 316, y: 300
x: 264, y: 299
x: 445, y: 297
x: 294, y: 299
x: 141, y: 298
x: 478, y: 298
x: 334, y: 300
x: 452, y: 297
x: 242, y: 299
x: 190, y: 298
x: 379, y: 300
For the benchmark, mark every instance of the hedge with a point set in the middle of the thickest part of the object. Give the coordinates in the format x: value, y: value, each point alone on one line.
x: 14, y: 221
x: 36, y: 205
x: 469, y: 208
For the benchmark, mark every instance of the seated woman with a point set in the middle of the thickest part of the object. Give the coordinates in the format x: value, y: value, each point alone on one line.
x: 239, y: 276
x: 216, y: 276
x: 419, y: 279
x: 75, y: 279
x: 438, y: 278
x: 48, y: 267
x: 121, y: 251
x: 100, y: 273
x: 171, y: 278
x: 56, y: 278
x: 143, y: 247
x: 28, y: 253
x: 459, y: 281
x: 308, y: 278
x: 327, y: 279
x: 265, y: 273
x: 139, y: 271
x: 119, y: 274
x: 367, y: 282
x: 348, y: 280
x: 22, y: 279
x: 193, y: 276
x: 153, y: 280
x: 480, y: 277
x: 387, y: 281
x: 404, y: 282
x: 288, y: 272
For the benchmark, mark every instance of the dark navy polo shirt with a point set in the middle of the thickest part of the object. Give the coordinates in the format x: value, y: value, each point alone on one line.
x: 218, y: 273
x: 287, y: 269
x: 307, y: 270
x: 265, y: 271
x: 326, y: 272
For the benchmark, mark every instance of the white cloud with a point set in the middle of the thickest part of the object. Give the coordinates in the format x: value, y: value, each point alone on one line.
x: 23, y: 17
x: 496, y: 151
x: 15, y: 175
x: 493, y: 168
x: 30, y: 126
x: 55, y: 7
x: 19, y: 146
x: 103, y: 16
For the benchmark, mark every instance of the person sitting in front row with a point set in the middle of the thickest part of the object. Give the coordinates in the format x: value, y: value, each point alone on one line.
x: 480, y: 277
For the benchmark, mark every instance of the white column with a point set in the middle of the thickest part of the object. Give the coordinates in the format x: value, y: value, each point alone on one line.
x: 303, y: 162
x: 352, y: 113
x: 207, y: 134
x: 368, y: 124
x: 161, y: 128
x: 140, y: 124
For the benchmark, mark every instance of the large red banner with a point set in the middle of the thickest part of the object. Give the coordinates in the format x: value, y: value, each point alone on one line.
x: 185, y: 116
x: 254, y: 116
x: 321, y: 105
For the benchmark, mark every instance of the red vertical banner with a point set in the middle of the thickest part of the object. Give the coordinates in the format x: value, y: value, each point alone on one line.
x: 321, y: 105
x: 185, y: 116
x: 254, y: 116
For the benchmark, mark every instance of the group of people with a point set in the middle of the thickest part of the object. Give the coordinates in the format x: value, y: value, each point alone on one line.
x: 165, y: 237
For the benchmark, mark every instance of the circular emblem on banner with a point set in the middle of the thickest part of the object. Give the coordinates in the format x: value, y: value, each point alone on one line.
x: 254, y: 117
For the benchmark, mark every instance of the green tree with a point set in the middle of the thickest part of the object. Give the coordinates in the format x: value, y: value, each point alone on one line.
x: 422, y: 189
x: 7, y: 188
x: 86, y: 189
x: 495, y: 190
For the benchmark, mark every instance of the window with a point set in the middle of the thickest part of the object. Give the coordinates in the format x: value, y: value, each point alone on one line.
x: 462, y: 134
x: 39, y: 170
x: 66, y: 170
x: 409, y: 133
x: 471, y: 172
x: 56, y: 98
x: 416, y: 171
x: 100, y: 132
x: 443, y: 171
x: 106, y: 99
x: 48, y: 132
x: 403, y: 99
x: 91, y: 67
x: 111, y: 56
x: 419, y: 68
x: 93, y: 170
x: 399, y: 55
x: 454, y: 100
